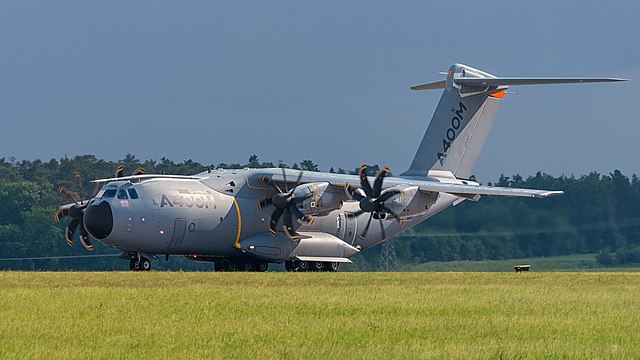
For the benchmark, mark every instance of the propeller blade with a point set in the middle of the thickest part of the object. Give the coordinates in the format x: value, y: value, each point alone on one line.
x: 284, y: 176
x: 354, y: 193
x: 388, y: 194
x: 119, y: 171
x: 60, y: 213
x: 384, y: 235
x: 299, y: 215
x: 275, y: 216
x: 288, y: 224
x: 270, y: 182
x: 138, y: 171
x: 70, y: 230
x: 297, y: 180
x: 96, y: 188
x: 264, y: 202
x: 84, y: 238
x: 71, y: 195
x: 377, y: 185
x: 364, y: 233
x: 76, y: 175
x: 291, y: 233
x: 364, y: 183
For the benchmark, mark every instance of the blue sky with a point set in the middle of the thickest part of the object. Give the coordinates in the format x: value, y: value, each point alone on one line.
x: 217, y: 81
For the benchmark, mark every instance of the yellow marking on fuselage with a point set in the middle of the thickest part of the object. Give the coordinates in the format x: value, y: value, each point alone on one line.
x: 315, y: 198
x: 239, y: 223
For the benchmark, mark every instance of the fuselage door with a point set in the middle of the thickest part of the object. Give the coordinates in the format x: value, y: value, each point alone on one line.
x: 128, y: 209
x: 346, y: 228
x: 179, y: 226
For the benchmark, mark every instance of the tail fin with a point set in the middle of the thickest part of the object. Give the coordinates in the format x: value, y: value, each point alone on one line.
x: 464, y: 116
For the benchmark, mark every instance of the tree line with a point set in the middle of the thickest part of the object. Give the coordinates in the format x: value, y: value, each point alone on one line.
x: 599, y: 213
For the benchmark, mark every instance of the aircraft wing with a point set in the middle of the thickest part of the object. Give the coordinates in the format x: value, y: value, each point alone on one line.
x: 467, y: 190
x: 457, y: 187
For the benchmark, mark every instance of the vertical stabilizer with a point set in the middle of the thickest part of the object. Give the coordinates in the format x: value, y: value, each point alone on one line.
x: 460, y: 125
x: 464, y: 116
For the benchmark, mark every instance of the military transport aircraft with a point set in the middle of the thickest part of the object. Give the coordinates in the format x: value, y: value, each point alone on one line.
x: 246, y: 219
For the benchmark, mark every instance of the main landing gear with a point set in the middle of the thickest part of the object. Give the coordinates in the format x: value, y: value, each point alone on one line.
x: 139, y: 263
x: 241, y: 265
x: 297, y: 265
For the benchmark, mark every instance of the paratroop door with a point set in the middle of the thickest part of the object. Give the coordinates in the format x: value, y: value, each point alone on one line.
x: 179, y: 227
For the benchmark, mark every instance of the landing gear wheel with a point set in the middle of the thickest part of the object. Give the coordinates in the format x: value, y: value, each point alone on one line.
x: 331, y: 266
x: 145, y: 264
x: 247, y: 265
x: 261, y: 266
x: 220, y: 266
x: 316, y: 266
x: 233, y: 265
x: 302, y: 265
x: 289, y: 266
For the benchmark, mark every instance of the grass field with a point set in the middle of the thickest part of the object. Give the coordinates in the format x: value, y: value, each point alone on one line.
x: 582, y: 262
x: 162, y: 315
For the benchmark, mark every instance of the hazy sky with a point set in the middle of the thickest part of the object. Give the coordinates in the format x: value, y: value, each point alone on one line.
x: 218, y: 81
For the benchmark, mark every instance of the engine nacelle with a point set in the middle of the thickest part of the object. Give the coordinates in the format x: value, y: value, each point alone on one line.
x: 319, y: 198
x: 411, y: 202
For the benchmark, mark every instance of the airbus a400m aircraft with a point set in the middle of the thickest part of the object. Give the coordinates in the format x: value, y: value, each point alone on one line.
x: 246, y: 219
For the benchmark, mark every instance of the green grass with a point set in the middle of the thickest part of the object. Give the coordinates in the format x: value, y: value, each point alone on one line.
x: 582, y: 262
x: 168, y: 315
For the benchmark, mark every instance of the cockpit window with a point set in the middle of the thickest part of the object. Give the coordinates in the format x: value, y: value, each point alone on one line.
x: 122, y: 195
x: 133, y: 193
x: 108, y: 194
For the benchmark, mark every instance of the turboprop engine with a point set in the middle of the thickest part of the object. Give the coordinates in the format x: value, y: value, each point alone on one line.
x: 410, y: 202
x: 301, y: 202
x: 319, y: 199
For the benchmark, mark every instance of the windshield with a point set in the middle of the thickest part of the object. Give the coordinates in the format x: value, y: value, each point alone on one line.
x: 109, y: 193
x: 122, y: 195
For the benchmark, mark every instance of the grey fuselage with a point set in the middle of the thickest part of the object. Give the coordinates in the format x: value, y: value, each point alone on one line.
x: 213, y: 215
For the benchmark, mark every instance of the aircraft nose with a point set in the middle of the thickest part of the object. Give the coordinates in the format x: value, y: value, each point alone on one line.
x: 98, y: 220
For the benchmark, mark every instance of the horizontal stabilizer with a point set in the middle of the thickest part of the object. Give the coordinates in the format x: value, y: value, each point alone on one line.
x: 431, y: 86
x: 480, y: 82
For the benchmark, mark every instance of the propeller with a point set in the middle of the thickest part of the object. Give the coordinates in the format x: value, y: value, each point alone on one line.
x: 372, y: 198
x: 76, y: 209
x: 119, y: 171
x: 76, y: 212
x: 285, y: 203
x: 138, y: 171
